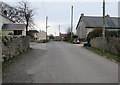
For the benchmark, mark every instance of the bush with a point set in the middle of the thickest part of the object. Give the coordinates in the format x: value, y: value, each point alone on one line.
x: 75, y: 36
x: 82, y: 39
x: 112, y: 34
x: 95, y: 33
x: 6, y: 40
x: 10, y: 33
x: 68, y: 37
x: 98, y: 33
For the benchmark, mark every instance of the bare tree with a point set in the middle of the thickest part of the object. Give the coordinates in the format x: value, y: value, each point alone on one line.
x: 68, y: 30
x: 26, y: 14
x: 20, y: 14
x: 68, y: 37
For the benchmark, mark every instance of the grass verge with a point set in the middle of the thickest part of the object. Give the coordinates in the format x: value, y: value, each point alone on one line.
x: 6, y: 64
x: 108, y: 55
x: 38, y: 41
x: 68, y: 42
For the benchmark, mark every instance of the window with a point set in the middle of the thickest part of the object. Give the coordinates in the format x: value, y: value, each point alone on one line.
x: 17, y: 32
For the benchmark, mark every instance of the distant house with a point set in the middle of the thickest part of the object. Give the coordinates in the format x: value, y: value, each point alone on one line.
x: 63, y: 36
x: 87, y: 24
x: 8, y: 26
x: 33, y: 33
x: 56, y: 38
x: 41, y: 35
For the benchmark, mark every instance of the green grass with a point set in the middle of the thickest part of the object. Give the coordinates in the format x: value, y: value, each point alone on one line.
x: 106, y: 54
x: 38, y: 41
x: 6, y: 64
x: 69, y: 42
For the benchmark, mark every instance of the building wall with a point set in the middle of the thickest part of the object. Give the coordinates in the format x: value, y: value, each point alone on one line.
x: 35, y: 35
x: 4, y: 20
x: 41, y: 35
x: 89, y: 30
x: 81, y: 30
x: 24, y: 33
x: 7, y: 32
x: 1, y: 23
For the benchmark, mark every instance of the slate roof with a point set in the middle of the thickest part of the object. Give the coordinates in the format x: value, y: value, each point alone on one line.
x: 7, y: 17
x: 13, y: 27
x: 33, y: 31
x: 63, y: 35
x: 93, y: 22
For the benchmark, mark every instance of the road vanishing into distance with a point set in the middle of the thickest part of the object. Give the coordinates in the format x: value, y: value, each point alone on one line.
x: 61, y: 62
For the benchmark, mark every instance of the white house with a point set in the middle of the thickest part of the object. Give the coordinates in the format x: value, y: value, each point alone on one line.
x: 41, y: 35
x: 7, y: 26
x: 33, y: 33
x: 4, y: 19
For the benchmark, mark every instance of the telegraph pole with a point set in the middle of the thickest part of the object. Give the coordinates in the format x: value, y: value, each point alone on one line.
x: 46, y: 27
x: 71, y: 22
x: 59, y: 33
x: 103, y: 25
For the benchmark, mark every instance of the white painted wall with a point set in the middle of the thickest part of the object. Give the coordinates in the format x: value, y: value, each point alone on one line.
x: 24, y: 33
x: 4, y: 20
x: 1, y: 22
x: 6, y: 32
x: 35, y: 35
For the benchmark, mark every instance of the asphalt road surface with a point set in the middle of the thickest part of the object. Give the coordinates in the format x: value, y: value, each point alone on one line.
x: 60, y: 62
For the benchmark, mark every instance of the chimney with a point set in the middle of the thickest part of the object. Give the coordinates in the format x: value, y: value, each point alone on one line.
x: 82, y: 14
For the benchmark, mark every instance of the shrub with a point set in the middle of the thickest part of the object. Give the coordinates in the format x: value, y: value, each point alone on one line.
x: 112, y: 33
x: 6, y: 40
x: 95, y: 33
x: 75, y: 36
x: 98, y: 33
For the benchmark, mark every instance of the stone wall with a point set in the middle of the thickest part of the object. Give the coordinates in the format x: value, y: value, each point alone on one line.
x: 14, y: 45
x: 112, y: 44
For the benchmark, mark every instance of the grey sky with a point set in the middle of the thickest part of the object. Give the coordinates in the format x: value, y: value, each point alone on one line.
x: 59, y: 13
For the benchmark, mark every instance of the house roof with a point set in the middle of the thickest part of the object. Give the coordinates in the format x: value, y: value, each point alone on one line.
x: 92, y: 22
x: 13, y: 27
x: 63, y: 35
x: 7, y: 17
x: 33, y: 31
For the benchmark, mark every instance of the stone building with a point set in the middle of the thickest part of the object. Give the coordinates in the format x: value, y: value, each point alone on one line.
x: 87, y: 24
x: 62, y: 36
x: 33, y: 34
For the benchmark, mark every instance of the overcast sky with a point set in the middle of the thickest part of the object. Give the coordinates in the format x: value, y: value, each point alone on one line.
x: 58, y: 12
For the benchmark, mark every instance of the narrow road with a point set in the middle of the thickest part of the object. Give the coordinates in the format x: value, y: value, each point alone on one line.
x: 60, y: 62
